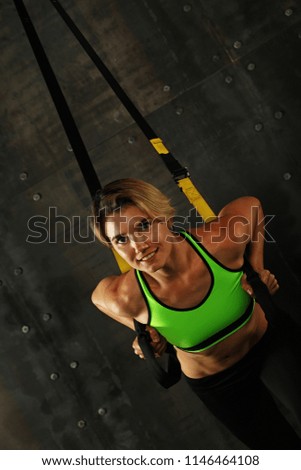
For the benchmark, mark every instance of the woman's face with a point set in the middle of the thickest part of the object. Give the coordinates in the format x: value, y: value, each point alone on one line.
x: 145, y: 244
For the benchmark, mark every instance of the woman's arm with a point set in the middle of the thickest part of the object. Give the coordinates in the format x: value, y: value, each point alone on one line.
x: 248, y: 223
x: 246, y: 228
x: 106, y: 297
x: 110, y: 298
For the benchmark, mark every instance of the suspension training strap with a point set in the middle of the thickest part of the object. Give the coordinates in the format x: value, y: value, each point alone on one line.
x: 172, y: 374
x: 179, y: 173
x: 67, y: 120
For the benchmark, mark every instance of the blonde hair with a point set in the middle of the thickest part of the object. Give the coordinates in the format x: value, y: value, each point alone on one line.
x: 126, y: 192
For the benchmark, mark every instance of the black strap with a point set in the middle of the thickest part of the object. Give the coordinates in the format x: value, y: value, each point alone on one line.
x: 167, y: 377
x: 261, y: 292
x: 60, y: 102
x: 175, y: 168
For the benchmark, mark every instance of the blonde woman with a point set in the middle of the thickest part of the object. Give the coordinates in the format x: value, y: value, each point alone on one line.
x: 187, y: 286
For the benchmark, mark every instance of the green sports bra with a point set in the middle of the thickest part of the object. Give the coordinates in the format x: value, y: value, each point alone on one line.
x: 224, y: 310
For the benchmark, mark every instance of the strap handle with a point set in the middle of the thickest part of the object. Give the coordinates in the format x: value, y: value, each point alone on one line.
x: 261, y: 293
x: 167, y: 378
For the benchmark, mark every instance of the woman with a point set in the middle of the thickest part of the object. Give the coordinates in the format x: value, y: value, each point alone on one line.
x: 188, y: 287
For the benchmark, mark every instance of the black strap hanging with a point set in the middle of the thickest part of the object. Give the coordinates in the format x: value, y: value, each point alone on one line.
x: 166, y: 377
x: 172, y: 164
x: 180, y: 174
x: 172, y: 374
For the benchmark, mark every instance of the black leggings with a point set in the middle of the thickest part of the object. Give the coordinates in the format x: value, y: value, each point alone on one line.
x: 244, y: 396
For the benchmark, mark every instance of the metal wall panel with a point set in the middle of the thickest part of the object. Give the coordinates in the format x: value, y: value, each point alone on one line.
x: 219, y: 82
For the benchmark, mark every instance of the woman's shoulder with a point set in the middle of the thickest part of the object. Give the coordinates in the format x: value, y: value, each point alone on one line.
x: 217, y: 238
x: 117, y: 294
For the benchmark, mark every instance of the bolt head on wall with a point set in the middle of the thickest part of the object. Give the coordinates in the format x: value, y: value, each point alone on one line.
x: 237, y: 44
x: 81, y: 424
x: 54, y: 376
x: 18, y: 271
x: 36, y: 197
x: 251, y: 66
x: 101, y: 411
x: 258, y: 126
x: 23, y: 176
x: 287, y: 176
x: 74, y: 364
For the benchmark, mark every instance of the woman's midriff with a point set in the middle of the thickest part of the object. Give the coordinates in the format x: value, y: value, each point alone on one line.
x: 227, y: 352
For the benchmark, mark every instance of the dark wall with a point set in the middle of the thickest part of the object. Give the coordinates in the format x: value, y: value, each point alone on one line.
x: 220, y: 83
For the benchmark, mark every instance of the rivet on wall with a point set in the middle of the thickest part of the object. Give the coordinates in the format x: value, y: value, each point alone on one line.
x: 237, y: 44
x: 288, y: 12
x: 74, y: 364
x: 187, y: 8
x: 25, y: 329
x: 216, y: 58
x: 179, y: 111
x: 287, y: 176
x: 81, y: 423
x: 131, y: 139
x: 23, y: 176
x: 166, y: 88
x: 54, y: 376
x: 36, y: 197
x: 278, y: 114
x: 228, y: 79
x: 46, y: 317
x: 258, y: 127
x: 117, y: 116
x: 251, y: 66
x: 101, y: 411
x: 69, y: 148
x: 18, y: 271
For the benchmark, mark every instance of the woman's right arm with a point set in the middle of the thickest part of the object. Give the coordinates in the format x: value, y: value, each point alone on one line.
x: 108, y: 298
x: 111, y: 297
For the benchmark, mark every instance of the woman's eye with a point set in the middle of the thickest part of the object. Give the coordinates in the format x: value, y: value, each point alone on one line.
x: 121, y: 240
x: 144, y: 225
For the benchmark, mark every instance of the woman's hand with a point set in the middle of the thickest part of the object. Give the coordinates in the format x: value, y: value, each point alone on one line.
x: 269, y: 280
x: 158, y: 343
x: 266, y: 277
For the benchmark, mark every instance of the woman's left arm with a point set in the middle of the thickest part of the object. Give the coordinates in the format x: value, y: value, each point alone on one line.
x: 247, y: 222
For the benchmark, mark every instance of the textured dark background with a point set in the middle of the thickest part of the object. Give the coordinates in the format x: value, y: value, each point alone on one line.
x: 220, y: 83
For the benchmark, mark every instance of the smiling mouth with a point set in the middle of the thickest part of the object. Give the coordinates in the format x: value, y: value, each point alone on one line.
x: 149, y: 256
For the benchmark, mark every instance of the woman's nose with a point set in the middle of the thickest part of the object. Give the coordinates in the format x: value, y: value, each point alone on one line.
x: 139, y: 244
